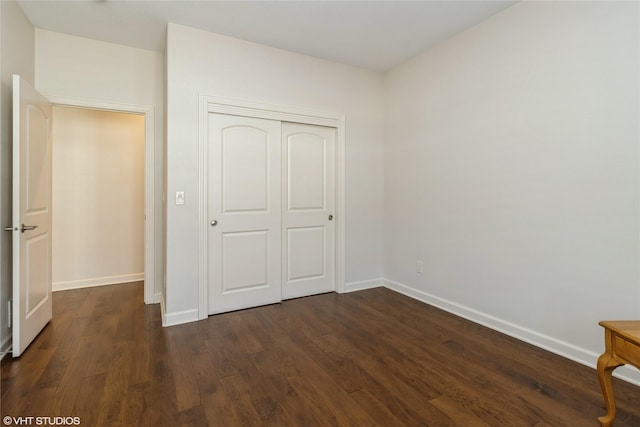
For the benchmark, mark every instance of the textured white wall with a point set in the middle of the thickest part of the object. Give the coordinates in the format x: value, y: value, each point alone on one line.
x: 98, y: 197
x: 512, y: 171
x: 76, y: 67
x: 201, y: 62
x: 17, y: 40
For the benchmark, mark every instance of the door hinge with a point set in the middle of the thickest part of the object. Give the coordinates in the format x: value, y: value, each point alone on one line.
x: 9, y: 313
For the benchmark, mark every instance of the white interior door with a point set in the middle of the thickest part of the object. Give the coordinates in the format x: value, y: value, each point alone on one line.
x: 308, y: 208
x: 32, y: 308
x: 244, y: 185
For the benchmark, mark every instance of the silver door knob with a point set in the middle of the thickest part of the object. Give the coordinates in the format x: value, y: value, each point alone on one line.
x: 28, y: 227
x: 214, y: 223
x: 330, y: 217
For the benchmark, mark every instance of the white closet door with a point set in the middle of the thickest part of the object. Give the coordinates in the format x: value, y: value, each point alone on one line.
x: 244, y: 212
x: 308, y: 208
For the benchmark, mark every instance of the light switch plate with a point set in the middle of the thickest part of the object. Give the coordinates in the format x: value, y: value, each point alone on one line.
x: 179, y: 197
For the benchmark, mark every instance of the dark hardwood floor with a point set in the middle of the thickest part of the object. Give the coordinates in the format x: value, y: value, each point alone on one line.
x: 367, y: 358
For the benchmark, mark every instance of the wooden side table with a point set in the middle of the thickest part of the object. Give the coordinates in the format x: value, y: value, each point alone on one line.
x: 622, y: 343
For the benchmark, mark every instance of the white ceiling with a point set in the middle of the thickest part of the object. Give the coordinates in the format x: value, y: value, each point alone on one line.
x: 371, y: 34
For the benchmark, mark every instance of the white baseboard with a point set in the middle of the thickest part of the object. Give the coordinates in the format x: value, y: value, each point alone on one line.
x: 364, y: 284
x: 561, y: 348
x: 97, y: 281
x: 179, y: 317
x: 157, y: 297
x: 5, y: 346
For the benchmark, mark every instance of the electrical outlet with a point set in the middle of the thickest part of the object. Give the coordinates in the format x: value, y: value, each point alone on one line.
x: 419, y: 267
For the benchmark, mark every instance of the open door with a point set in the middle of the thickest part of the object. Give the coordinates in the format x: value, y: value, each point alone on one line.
x: 32, y: 308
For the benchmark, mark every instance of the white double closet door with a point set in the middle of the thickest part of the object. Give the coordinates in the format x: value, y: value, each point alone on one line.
x: 271, y: 199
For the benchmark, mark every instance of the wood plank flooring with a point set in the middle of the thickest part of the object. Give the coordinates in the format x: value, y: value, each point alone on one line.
x: 367, y: 358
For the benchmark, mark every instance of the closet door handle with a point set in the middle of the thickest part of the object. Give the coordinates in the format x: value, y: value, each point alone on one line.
x: 214, y: 223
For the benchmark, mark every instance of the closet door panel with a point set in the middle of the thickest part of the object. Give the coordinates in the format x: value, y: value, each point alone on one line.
x: 245, y: 210
x: 308, y: 260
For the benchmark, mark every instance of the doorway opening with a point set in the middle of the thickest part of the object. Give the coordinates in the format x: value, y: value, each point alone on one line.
x: 152, y: 292
x: 98, y: 197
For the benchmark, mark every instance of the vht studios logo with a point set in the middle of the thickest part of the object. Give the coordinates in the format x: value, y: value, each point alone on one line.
x: 41, y: 421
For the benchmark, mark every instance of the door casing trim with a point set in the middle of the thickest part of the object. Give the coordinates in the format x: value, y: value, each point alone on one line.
x: 213, y: 104
x: 150, y: 295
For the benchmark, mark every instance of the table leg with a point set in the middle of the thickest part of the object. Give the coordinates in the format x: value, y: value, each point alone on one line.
x: 606, y: 365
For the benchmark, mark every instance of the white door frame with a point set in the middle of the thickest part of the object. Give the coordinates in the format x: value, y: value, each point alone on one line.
x: 213, y: 104
x: 149, y: 176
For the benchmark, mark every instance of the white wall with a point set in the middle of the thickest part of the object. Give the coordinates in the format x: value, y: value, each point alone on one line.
x: 512, y: 171
x: 510, y: 163
x: 98, y: 198
x: 76, y: 67
x: 200, y: 62
x: 17, y: 40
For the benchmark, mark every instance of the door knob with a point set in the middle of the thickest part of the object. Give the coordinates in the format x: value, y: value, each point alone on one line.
x: 28, y: 227
x: 330, y: 217
x: 214, y: 223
